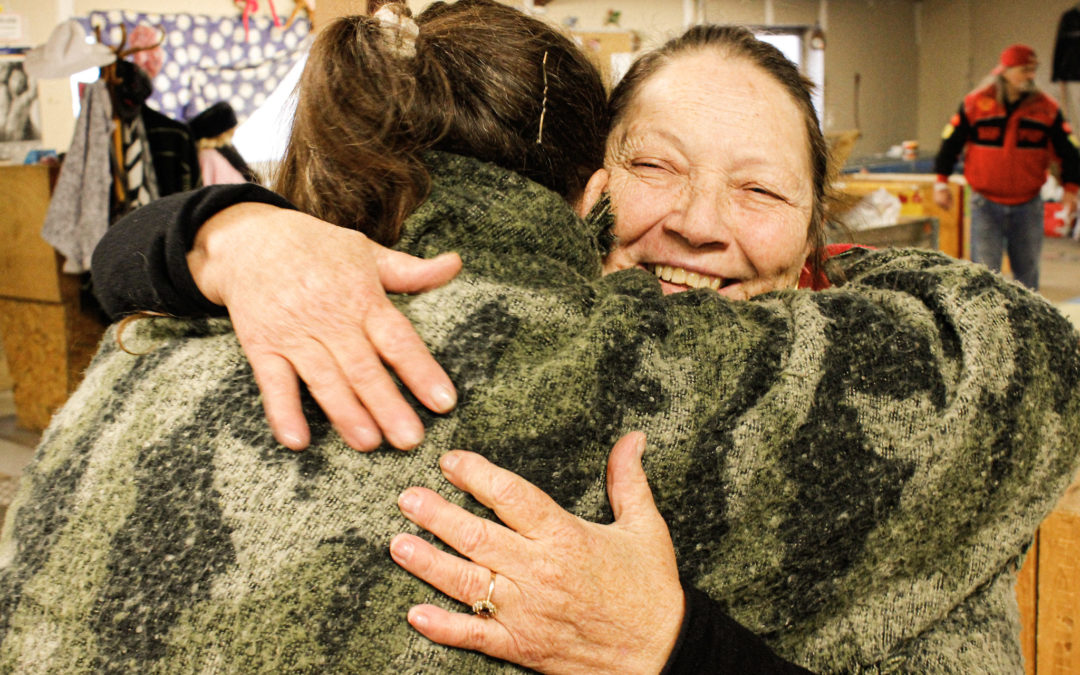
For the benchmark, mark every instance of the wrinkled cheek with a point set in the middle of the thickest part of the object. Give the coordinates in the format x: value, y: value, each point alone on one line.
x: 639, y: 211
x: 776, y: 251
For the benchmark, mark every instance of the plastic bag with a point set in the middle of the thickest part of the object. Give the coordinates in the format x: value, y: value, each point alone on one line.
x: 877, y: 209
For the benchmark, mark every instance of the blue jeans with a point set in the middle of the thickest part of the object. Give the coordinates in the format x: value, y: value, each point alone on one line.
x: 1017, y: 228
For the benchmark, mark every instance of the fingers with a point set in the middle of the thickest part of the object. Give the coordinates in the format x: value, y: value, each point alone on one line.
x: 369, y: 383
x: 393, y: 336
x: 524, y: 507
x: 330, y: 386
x: 281, y: 400
x: 322, y: 314
x: 398, y: 345
x: 463, y: 631
x: 458, y: 578
x: 402, y: 273
x: 627, y: 485
x: 483, y: 541
x: 463, y: 581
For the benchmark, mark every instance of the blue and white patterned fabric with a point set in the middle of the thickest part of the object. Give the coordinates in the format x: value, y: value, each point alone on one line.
x: 208, y: 60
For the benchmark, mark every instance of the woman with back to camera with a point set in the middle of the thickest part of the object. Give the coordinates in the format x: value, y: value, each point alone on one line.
x: 804, y: 614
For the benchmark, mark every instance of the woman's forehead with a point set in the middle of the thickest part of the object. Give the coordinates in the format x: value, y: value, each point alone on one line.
x: 706, y: 101
x: 710, y: 74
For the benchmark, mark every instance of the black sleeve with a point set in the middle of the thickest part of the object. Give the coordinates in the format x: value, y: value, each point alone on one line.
x: 1066, y: 151
x: 712, y: 642
x: 952, y: 143
x: 141, y: 262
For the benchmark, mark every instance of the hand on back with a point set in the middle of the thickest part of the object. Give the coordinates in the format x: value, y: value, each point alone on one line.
x: 310, y: 301
x: 571, y: 596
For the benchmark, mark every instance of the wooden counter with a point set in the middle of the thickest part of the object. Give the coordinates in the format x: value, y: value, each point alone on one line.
x: 916, y: 193
x: 48, y: 337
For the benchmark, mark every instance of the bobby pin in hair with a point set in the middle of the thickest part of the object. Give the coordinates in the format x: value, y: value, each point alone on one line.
x: 543, y: 107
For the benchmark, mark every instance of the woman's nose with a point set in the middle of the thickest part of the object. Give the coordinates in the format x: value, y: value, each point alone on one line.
x: 704, y: 220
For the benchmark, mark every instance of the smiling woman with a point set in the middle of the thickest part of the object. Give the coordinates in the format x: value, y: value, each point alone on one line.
x: 710, y: 174
x: 719, y: 195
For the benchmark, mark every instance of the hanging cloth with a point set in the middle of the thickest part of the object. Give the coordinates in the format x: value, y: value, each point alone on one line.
x: 137, y: 169
x: 78, y: 213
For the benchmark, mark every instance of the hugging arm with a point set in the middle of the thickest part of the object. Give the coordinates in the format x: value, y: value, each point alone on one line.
x: 141, y: 262
x: 306, y: 299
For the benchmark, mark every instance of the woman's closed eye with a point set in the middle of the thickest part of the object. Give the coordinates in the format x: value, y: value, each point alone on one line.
x: 652, y: 165
x: 765, y: 192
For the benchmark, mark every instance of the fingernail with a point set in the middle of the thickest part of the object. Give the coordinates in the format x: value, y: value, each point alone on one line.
x: 402, y: 549
x: 410, y: 438
x: 408, y: 501
x: 444, y: 398
x: 639, y: 446
x: 367, y: 437
x: 418, y: 619
x: 449, y: 461
x: 290, y: 440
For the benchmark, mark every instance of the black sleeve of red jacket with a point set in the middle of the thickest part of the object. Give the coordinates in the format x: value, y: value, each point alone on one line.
x: 141, y: 262
x: 712, y: 642
x: 952, y: 145
x: 1066, y: 151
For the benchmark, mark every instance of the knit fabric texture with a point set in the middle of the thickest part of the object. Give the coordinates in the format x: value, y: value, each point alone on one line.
x: 854, y: 473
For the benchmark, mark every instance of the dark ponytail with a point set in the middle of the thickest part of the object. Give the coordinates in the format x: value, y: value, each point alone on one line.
x: 367, y: 110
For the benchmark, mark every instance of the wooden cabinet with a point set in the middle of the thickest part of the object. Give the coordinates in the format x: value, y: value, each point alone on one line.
x: 48, y: 337
x: 1048, y: 591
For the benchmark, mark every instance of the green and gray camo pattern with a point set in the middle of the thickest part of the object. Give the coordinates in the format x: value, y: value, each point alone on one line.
x: 853, y: 473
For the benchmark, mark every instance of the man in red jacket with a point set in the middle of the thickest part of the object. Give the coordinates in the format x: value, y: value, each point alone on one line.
x: 1011, y: 132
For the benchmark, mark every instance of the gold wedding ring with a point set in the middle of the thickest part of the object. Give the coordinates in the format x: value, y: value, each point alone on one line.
x: 485, y: 609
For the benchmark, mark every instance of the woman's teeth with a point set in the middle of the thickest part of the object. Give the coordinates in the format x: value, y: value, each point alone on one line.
x: 678, y: 275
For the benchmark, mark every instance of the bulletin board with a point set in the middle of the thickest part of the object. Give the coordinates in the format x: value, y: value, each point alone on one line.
x: 600, y: 45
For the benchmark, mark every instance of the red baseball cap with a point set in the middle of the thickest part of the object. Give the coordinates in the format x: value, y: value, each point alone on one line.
x: 1016, y: 55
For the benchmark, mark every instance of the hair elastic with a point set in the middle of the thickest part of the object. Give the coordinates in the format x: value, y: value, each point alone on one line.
x: 399, y: 30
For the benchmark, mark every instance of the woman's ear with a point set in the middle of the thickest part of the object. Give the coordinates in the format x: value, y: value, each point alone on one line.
x: 593, y: 189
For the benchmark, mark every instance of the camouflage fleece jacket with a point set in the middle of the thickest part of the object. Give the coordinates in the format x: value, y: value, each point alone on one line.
x: 853, y: 473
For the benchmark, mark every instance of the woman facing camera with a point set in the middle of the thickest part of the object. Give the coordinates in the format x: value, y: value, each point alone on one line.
x: 848, y: 473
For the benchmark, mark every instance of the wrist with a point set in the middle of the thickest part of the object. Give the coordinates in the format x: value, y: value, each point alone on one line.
x: 670, y: 628
x: 212, y: 259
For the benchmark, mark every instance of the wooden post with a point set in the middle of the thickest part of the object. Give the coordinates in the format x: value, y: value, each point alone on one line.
x: 1059, y: 588
x: 1028, y: 598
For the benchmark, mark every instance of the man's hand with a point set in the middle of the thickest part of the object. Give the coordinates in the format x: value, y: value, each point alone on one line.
x: 943, y: 196
x: 1068, y: 207
x: 308, y: 299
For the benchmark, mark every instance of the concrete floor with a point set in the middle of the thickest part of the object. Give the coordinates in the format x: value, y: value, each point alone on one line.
x: 1060, y: 281
x: 1059, y: 276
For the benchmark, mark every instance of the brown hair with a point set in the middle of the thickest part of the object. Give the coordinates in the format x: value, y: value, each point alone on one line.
x: 483, y: 77
x: 737, y: 42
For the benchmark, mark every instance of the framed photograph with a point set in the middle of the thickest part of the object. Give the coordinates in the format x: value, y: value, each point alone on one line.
x: 20, y: 111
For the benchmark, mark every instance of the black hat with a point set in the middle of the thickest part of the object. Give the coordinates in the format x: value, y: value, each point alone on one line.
x: 214, y: 121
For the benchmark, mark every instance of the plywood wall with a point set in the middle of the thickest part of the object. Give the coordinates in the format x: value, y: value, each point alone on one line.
x: 960, y: 43
x: 915, y: 58
x: 874, y: 38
